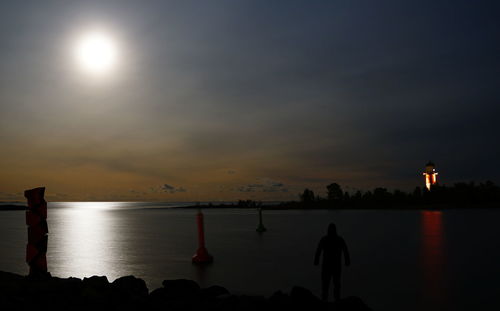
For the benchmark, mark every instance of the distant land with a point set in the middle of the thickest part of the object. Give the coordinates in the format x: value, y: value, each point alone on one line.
x: 460, y: 195
x: 12, y: 207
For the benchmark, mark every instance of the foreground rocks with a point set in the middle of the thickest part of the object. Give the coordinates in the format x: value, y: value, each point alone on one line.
x: 130, y: 293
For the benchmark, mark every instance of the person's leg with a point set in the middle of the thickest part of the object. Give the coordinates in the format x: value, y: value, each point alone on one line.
x: 336, y: 286
x: 325, y: 284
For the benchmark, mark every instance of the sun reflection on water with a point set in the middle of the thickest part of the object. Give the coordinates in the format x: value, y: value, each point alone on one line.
x: 93, y: 205
x: 84, y: 240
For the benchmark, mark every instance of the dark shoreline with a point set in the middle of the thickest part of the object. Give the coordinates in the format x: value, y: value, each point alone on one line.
x: 13, y: 207
x: 130, y: 293
x: 294, y: 206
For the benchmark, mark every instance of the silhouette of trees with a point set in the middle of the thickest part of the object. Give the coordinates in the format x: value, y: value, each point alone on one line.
x: 381, y: 195
x: 249, y: 203
x: 460, y: 194
x: 307, y: 197
x: 334, y: 192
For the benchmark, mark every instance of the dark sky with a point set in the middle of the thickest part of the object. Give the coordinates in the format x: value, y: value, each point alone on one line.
x: 222, y: 100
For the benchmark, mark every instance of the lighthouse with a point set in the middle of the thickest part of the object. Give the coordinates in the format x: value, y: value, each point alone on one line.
x: 430, y: 175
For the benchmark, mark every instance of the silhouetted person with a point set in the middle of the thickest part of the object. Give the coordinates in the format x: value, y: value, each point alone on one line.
x: 332, y: 246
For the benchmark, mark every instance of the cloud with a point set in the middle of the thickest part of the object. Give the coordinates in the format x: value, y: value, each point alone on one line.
x: 264, y: 185
x: 170, y: 189
x: 167, y: 187
x: 137, y: 192
x: 366, y: 107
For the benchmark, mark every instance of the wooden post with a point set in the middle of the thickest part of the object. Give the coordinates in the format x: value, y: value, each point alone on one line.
x: 36, y: 219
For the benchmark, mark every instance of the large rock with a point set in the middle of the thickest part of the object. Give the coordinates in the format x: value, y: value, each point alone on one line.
x: 98, y: 282
x: 228, y: 303
x: 50, y: 293
x: 177, y: 295
x: 302, y: 297
x: 96, y: 290
x: 351, y: 304
x: 131, y: 293
x: 214, y: 291
x: 280, y: 301
x: 58, y: 293
x: 181, y: 288
x: 7, y: 277
x: 130, y: 286
x: 252, y: 302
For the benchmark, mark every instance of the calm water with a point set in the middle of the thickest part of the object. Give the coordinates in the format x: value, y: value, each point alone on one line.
x: 401, y: 260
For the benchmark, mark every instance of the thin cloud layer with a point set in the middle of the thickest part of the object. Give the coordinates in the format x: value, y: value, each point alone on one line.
x: 265, y: 185
x: 213, y: 96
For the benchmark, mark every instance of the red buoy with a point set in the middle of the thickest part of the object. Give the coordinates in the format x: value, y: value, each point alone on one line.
x: 202, y: 256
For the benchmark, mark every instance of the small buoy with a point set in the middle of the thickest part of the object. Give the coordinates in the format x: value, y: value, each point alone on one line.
x: 202, y: 256
x: 260, y: 227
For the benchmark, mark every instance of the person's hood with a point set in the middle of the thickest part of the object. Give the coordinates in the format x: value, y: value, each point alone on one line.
x: 332, y: 230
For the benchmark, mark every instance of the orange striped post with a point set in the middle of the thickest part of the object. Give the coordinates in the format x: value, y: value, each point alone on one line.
x: 36, y: 219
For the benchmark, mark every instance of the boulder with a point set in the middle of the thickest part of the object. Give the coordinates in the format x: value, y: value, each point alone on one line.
x: 351, y: 304
x: 7, y: 277
x: 130, y: 286
x: 228, y: 303
x: 96, y: 282
x: 130, y: 293
x: 303, y: 297
x: 177, y: 295
x: 252, y: 302
x: 280, y: 301
x: 180, y: 289
x: 96, y: 290
x: 214, y: 291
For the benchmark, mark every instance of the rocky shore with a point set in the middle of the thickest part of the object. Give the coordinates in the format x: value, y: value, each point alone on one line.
x: 130, y: 293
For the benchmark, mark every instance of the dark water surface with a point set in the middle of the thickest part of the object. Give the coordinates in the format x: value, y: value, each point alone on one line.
x: 401, y: 260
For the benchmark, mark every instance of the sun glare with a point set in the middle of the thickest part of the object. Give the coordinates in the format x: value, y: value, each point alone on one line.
x: 96, y: 52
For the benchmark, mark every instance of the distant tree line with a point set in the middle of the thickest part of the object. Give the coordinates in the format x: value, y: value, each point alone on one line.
x: 249, y: 203
x: 459, y: 194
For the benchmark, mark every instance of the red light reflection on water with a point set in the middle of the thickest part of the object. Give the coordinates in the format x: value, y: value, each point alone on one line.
x: 433, y: 259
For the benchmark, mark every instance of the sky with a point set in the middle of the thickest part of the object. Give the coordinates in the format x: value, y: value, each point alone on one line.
x: 228, y: 100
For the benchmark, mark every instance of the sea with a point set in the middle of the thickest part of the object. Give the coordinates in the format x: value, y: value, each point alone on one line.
x: 400, y: 259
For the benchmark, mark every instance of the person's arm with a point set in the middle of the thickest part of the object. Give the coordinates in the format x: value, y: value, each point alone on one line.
x: 347, y: 258
x: 318, y: 252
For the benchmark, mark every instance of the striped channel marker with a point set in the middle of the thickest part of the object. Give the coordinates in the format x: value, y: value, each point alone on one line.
x: 36, y: 219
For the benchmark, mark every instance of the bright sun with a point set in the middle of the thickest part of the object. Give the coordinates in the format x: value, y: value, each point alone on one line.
x: 96, y: 52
